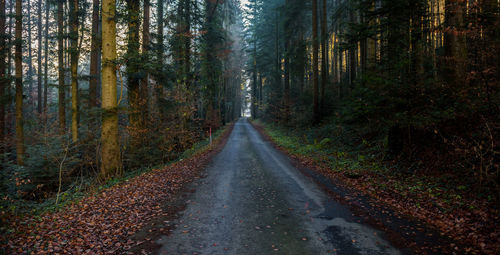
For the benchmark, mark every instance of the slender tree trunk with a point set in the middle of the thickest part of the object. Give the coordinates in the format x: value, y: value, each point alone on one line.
x: 145, y: 52
x: 133, y: 67
x: 39, y: 59
x: 254, y: 73
x: 288, y: 35
x: 94, y: 57
x: 158, y: 93
x: 73, y: 36
x: 46, y: 65
x: 110, y: 150
x: 352, y: 56
x: 455, y: 42
x: 316, y: 115
x: 324, y: 54
x: 29, y: 77
x: 60, y: 54
x: 19, y: 85
x: 9, y: 54
x: 187, y: 44
x: 301, y: 61
x: 3, y: 75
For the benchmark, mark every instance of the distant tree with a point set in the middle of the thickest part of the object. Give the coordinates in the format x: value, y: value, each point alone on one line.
x: 75, y: 53
x: 316, y: 114
x: 3, y: 75
x: 134, y: 70
x: 39, y: 58
x: 95, y: 49
x: 19, y: 84
x: 60, y: 64
x: 145, y: 52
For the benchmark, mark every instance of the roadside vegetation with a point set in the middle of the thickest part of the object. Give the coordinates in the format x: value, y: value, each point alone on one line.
x: 450, y: 201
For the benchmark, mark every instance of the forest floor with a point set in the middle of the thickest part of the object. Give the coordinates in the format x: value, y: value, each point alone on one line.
x: 466, y: 223
x: 106, y: 222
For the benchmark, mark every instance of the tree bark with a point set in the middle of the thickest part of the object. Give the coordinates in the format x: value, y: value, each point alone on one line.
x: 144, y: 89
x: 159, y: 58
x: 30, y: 60
x: 316, y: 115
x: 60, y: 55
x: 455, y: 42
x: 3, y: 75
x: 324, y: 54
x: 74, y: 52
x: 254, y: 73
x: 39, y: 59
x: 352, y: 56
x: 288, y: 35
x: 95, y: 48
x: 19, y: 85
x: 133, y: 62
x: 46, y: 65
x: 110, y: 150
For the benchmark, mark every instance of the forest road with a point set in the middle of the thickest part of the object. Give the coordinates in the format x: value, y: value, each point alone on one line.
x: 253, y: 201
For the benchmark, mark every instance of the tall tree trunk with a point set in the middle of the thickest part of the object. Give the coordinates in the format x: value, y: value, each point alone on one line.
x: 454, y: 42
x: 133, y: 62
x: 158, y: 93
x: 60, y: 56
x: 324, y: 54
x: 3, y: 75
x: 187, y: 43
x: 95, y: 48
x: 352, y: 54
x: 254, y: 73
x: 110, y: 150
x: 30, y: 60
x: 19, y: 85
x: 73, y: 36
x: 286, y: 87
x: 39, y: 59
x: 9, y: 54
x: 46, y: 65
x: 316, y: 115
x: 145, y: 52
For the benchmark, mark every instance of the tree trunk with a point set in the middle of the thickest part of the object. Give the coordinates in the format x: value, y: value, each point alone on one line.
x: 46, y: 65
x: 454, y: 42
x: 160, y: 52
x: 110, y: 150
x: 30, y: 60
x: 316, y: 115
x: 352, y: 56
x: 9, y: 61
x: 324, y: 54
x: 73, y: 36
x: 95, y: 48
x: 60, y: 56
x: 3, y: 75
x: 286, y: 87
x: 133, y: 62
x: 254, y: 73
x: 145, y: 52
x: 19, y: 85
x: 187, y: 44
x: 39, y: 58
